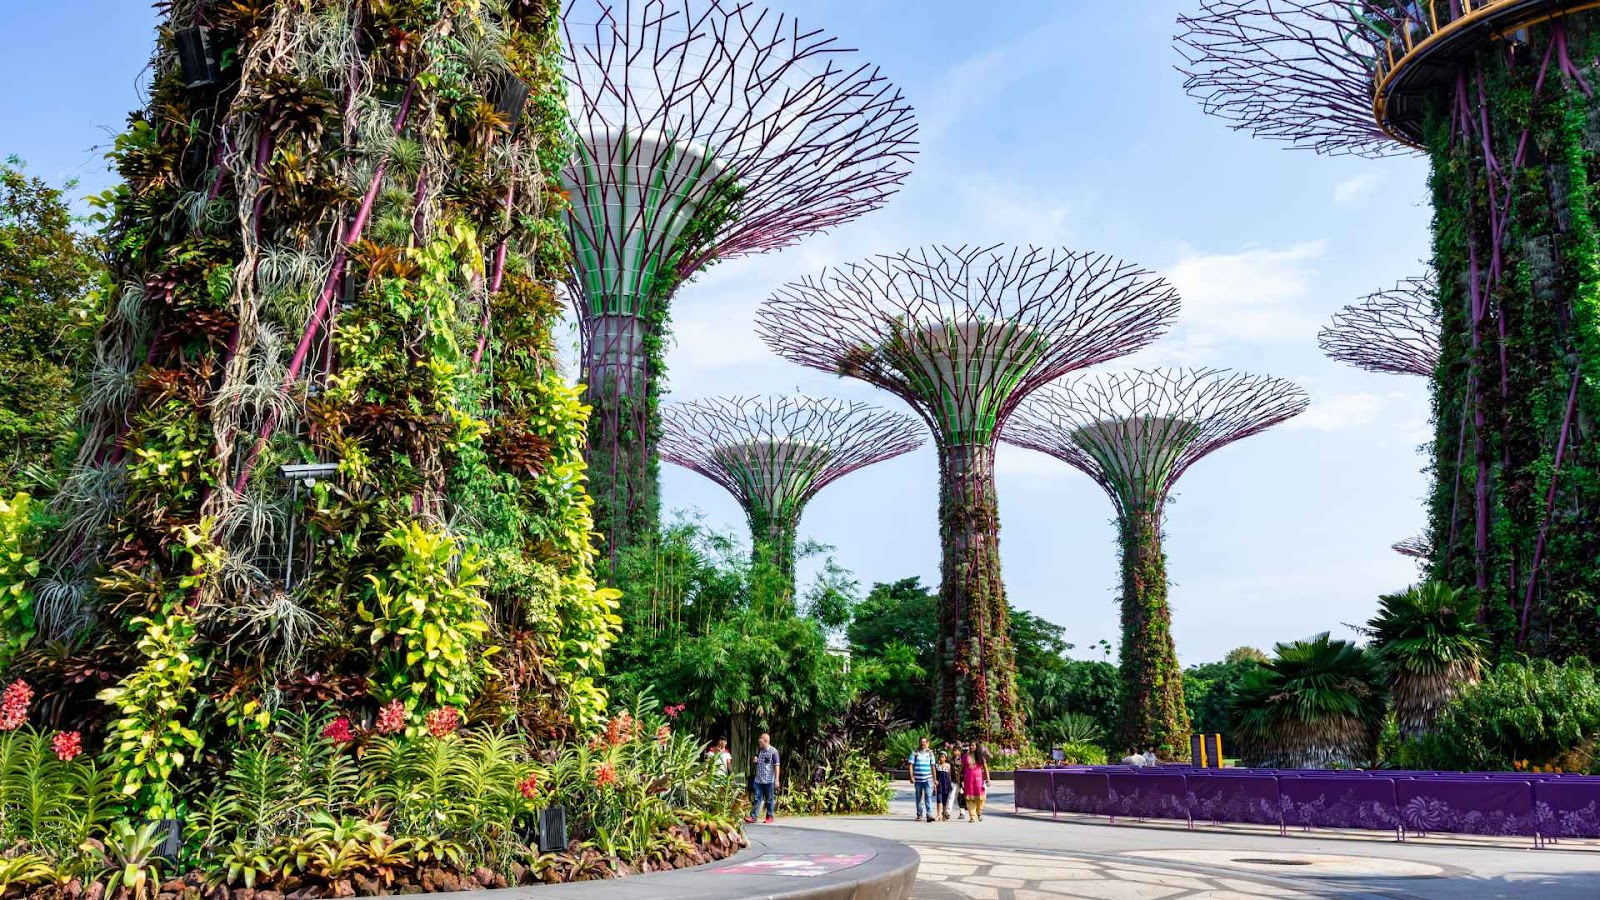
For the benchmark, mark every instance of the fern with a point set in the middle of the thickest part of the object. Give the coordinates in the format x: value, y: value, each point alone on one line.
x: 260, y: 779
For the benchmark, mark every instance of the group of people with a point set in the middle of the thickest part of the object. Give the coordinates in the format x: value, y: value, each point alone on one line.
x: 949, y: 784
x: 767, y: 766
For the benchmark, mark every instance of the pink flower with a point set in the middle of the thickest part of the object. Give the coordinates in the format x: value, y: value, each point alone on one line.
x: 67, y: 745
x: 674, y: 711
x: 392, y: 720
x: 14, y: 705
x: 442, y: 721
x: 529, y: 786
x: 338, y: 731
x: 664, y: 734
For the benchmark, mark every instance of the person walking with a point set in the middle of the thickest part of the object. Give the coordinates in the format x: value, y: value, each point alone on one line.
x: 958, y: 775
x: 975, y: 772
x: 764, y: 787
x: 921, y: 764
x: 945, y: 790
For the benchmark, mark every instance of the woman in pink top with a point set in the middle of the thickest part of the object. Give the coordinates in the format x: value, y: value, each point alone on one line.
x: 975, y: 775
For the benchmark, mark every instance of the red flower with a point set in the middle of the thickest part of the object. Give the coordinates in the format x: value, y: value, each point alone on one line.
x: 67, y: 745
x: 620, y: 729
x: 338, y: 731
x: 442, y: 721
x: 605, y: 775
x: 674, y: 711
x: 529, y: 786
x: 14, y: 705
x: 392, y: 720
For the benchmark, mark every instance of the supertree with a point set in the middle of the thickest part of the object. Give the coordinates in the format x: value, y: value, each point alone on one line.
x: 1416, y: 547
x: 707, y: 129
x: 962, y: 335
x: 1498, y: 95
x: 1136, y: 433
x: 287, y: 427
x: 1394, y: 331
x: 774, y: 454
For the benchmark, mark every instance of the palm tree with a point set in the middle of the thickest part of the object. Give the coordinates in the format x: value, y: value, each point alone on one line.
x: 1431, y: 644
x: 1316, y: 704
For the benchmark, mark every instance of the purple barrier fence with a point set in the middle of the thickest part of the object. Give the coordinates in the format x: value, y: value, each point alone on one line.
x: 1459, y: 806
x: 1158, y: 795
x: 1568, y: 808
x: 1541, y: 805
x: 1032, y: 789
x: 1234, y: 798
x: 1320, y: 801
x: 1081, y: 792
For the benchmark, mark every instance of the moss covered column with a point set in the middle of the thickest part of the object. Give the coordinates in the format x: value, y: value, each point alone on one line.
x: 976, y: 694
x: 1516, y: 503
x: 1153, y: 713
x: 773, y: 536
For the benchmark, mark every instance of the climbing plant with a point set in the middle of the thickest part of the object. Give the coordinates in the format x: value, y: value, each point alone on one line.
x: 1517, y: 469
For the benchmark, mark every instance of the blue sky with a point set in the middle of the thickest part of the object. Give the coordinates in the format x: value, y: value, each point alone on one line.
x: 1044, y: 122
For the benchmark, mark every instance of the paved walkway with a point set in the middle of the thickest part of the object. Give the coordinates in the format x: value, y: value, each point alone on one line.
x: 1031, y: 857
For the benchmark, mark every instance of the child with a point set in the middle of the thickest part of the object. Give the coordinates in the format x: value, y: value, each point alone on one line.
x: 945, y: 787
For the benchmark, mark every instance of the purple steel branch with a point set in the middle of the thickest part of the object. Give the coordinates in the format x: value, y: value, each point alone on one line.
x: 1290, y: 70
x: 1081, y: 308
x: 1394, y: 331
x: 1178, y: 417
x: 812, y: 137
x: 848, y: 436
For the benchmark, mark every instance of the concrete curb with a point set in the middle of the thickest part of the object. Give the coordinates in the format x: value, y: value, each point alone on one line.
x: 888, y: 875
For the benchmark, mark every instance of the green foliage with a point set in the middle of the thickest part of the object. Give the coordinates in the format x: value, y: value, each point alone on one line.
x: 1209, y: 690
x: 849, y: 786
x: 709, y: 628
x: 426, y: 613
x: 1068, y: 728
x: 897, y: 626
x: 1083, y: 754
x: 1533, y: 713
x: 47, y: 274
x: 18, y: 566
x: 1074, y: 687
x: 1153, y: 714
x: 1317, y: 703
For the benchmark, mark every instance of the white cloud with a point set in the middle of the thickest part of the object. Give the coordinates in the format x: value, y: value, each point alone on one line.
x: 1339, y: 412
x: 1352, y: 191
x: 1256, y: 295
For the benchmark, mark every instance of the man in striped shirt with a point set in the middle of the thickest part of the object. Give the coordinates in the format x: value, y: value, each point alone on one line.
x: 921, y: 764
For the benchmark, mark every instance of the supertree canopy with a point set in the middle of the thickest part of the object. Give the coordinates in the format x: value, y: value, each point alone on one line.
x: 1394, y: 331
x: 1500, y: 96
x: 1136, y: 433
x: 706, y: 129
x: 962, y: 335
x: 773, y: 454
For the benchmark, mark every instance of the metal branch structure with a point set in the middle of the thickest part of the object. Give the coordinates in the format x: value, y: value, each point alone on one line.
x: 774, y: 454
x: 706, y: 130
x: 1136, y: 433
x: 963, y: 334
x: 1417, y: 547
x: 1394, y: 331
x: 1498, y: 94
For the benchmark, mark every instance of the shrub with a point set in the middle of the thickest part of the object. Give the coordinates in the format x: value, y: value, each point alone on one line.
x: 1080, y: 754
x: 1318, y: 703
x: 851, y: 786
x: 1529, y: 713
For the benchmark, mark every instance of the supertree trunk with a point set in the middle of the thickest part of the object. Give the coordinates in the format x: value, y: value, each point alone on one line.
x: 624, y: 424
x: 1517, y: 492
x: 976, y: 695
x: 773, y: 539
x: 1153, y: 712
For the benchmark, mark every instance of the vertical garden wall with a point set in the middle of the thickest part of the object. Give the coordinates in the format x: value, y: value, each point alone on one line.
x: 1517, y: 493
x: 327, y: 454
